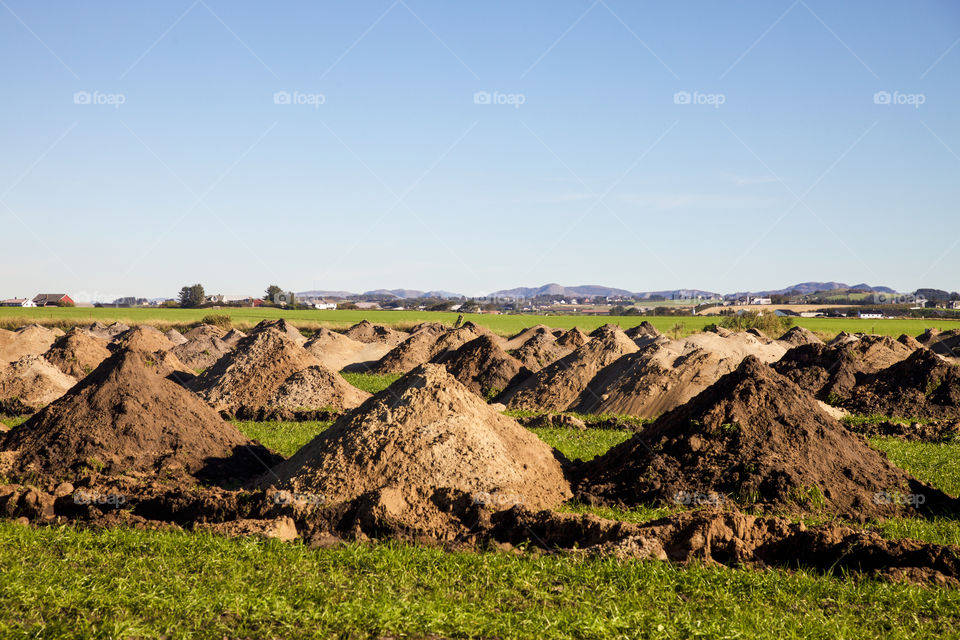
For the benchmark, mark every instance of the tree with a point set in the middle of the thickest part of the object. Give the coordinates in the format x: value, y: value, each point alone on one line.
x: 192, y: 297
x: 272, y: 292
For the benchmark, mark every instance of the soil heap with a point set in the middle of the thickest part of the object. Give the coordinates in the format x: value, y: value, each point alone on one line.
x: 367, y: 332
x: 317, y: 387
x: 573, y: 339
x: 175, y: 337
x: 521, y: 338
x: 483, y: 367
x: 431, y: 342
x: 249, y: 376
x: 31, y: 340
x: 337, y: 351
x: 540, y: 351
x: 233, y: 337
x: 142, y: 338
x: 923, y: 386
x: 31, y: 383
x: 127, y: 418
x: 284, y: 327
x: 422, y: 443
x: 758, y: 438
x: 643, y: 330
x: 944, y: 343
x: 561, y: 385
x: 77, y: 353
x: 203, y: 347
x: 797, y: 336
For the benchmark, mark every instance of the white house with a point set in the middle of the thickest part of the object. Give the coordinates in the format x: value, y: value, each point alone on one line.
x: 761, y: 301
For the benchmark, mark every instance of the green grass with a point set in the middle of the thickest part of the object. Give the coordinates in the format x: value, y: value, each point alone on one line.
x: 581, y: 445
x: 13, y: 421
x: 371, y: 382
x: 502, y: 324
x: 935, y: 462
x: 283, y: 437
x: 63, y: 582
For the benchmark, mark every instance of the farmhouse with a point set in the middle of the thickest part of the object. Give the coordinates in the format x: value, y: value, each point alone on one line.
x: 17, y: 302
x: 52, y: 300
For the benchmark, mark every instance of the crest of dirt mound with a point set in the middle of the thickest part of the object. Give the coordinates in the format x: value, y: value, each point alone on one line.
x: 31, y: 383
x: 31, y: 340
x: 142, y: 338
x: 643, y: 330
x: 175, y: 337
x: 317, y: 387
x: 797, y: 336
x: 336, y: 350
x: 367, y: 332
x: 922, y: 386
x: 124, y: 418
x: 233, y: 337
x: 944, y: 343
x: 416, y: 442
x: 540, y: 351
x: 433, y: 342
x: 203, y: 347
x: 573, y: 339
x: 560, y: 385
x: 756, y: 438
x: 517, y: 340
x: 282, y: 326
x: 77, y: 353
x: 482, y: 366
x: 249, y: 376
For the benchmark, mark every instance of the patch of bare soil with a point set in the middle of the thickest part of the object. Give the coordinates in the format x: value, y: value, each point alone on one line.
x: 125, y: 418
x: 482, y: 366
x: 643, y: 330
x: 31, y: 383
x: 142, y: 338
x: 367, y: 332
x: 757, y: 439
x: 540, y: 351
x: 317, y: 387
x: 282, y: 326
x: 415, y: 444
x: 175, y: 337
x: 203, y: 347
x: 31, y: 340
x: 797, y: 336
x: 233, y: 337
x: 923, y: 386
x: 336, y: 351
x: 559, y: 386
x: 77, y: 353
x: 933, y: 431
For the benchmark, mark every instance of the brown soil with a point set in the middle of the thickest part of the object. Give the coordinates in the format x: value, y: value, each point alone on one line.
x: 337, y: 351
x: 202, y: 349
x: 77, y: 353
x: 249, y: 376
x: 175, y: 337
x: 482, y: 366
x: 540, y: 351
x: 125, y: 417
x: 233, y: 337
x: 922, y: 386
x: 643, y: 330
x: 945, y: 343
x: 935, y: 431
x: 142, y: 338
x: 282, y: 326
x: 561, y: 385
x: 433, y: 342
x: 31, y: 383
x: 519, y: 339
x: 411, y: 446
x: 797, y: 336
x: 755, y: 438
x: 205, y: 331
x: 317, y: 387
x: 573, y: 339
x: 31, y: 340
x: 367, y: 332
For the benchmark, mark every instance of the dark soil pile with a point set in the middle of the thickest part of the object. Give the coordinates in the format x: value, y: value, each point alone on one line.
x: 945, y: 343
x: 797, y: 336
x: 233, y: 337
x: 317, y: 387
x: 756, y: 438
x: 125, y: 417
x: 482, y: 366
x: 31, y: 340
x: 926, y: 431
x: 248, y: 377
x: 31, y: 383
x: 643, y: 330
x: 367, y: 332
x: 561, y: 385
x: 203, y: 347
x: 540, y: 351
x: 909, y: 341
x: 424, y: 441
x: 922, y: 386
x: 282, y: 326
x: 142, y: 338
x: 574, y: 339
x: 77, y: 353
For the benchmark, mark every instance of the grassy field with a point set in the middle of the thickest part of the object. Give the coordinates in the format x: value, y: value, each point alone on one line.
x: 12, y: 317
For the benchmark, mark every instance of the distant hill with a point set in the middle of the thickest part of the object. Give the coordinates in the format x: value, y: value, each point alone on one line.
x: 554, y: 289
x: 324, y: 294
x: 405, y: 294
x: 806, y: 288
x: 678, y: 294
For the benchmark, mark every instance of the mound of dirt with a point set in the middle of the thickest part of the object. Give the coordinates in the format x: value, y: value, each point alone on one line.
x: 755, y: 438
x: 31, y: 383
x: 336, y: 351
x: 944, y: 343
x: 142, y: 338
x: 125, y: 417
x: 205, y: 331
x: 282, y: 326
x: 517, y: 340
x: 540, y: 351
x: 922, y: 386
x: 643, y: 330
x: 367, y: 332
x: 233, y: 337
x: 317, y: 387
x: 830, y: 372
x: 482, y: 366
x: 31, y: 340
x: 797, y: 336
x: 574, y: 339
x: 909, y: 341
x: 175, y: 337
x: 249, y: 376
x: 77, y: 353
x: 202, y: 349
x: 418, y: 443
x: 104, y: 332
x: 432, y: 342
x: 561, y: 385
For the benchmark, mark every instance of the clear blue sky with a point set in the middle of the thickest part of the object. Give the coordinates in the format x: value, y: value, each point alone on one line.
x: 401, y: 179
